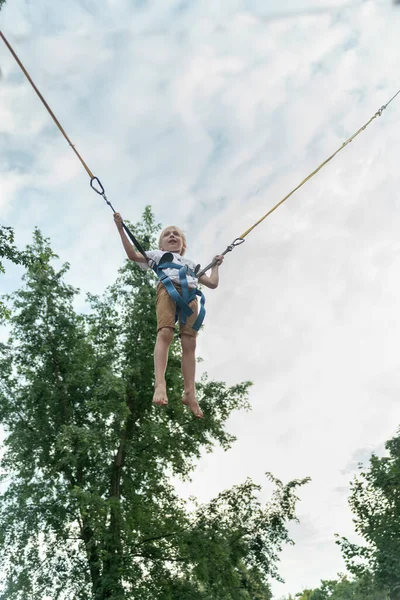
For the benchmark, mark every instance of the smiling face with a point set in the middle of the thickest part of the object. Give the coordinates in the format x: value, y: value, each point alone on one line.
x: 172, y: 239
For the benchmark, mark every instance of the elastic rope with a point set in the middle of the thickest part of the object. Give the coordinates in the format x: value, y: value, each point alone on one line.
x: 245, y: 233
x: 377, y: 114
x: 56, y: 121
x: 93, y: 179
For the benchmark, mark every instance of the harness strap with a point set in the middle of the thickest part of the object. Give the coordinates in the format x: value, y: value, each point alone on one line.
x: 202, y: 311
x: 182, y: 302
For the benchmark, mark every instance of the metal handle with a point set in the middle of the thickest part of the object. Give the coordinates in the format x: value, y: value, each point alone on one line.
x: 97, y: 186
x: 100, y: 189
x: 236, y: 242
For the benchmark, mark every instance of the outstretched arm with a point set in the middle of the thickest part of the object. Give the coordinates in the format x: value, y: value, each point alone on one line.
x: 130, y: 252
x: 211, y: 281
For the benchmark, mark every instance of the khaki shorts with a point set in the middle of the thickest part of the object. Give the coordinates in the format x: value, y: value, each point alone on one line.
x: 166, y: 309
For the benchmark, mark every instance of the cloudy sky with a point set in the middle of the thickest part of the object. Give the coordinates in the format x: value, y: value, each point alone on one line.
x: 211, y: 113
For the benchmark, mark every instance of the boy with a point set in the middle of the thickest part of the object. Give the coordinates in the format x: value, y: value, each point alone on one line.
x: 173, y: 241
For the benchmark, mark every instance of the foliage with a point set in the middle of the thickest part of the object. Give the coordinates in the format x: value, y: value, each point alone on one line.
x: 89, y: 510
x: 375, y: 501
x: 343, y: 588
x: 8, y: 251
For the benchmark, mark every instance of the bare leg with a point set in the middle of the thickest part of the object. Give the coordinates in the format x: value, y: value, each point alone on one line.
x: 189, y: 371
x: 164, y: 339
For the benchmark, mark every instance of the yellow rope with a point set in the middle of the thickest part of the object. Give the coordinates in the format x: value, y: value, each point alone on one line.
x: 377, y: 114
x: 56, y: 121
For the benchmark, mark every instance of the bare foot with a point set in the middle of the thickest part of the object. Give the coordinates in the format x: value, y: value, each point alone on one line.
x: 189, y: 399
x: 160, y: 395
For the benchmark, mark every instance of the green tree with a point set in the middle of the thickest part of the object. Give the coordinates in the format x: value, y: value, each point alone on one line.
x: 344, y: 588
x: 359, y: 588
x: 375, y: 501
x: 89, y: 510
x: 8, y: 251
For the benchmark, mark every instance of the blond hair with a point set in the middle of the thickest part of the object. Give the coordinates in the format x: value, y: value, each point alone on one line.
x: 181, y: 233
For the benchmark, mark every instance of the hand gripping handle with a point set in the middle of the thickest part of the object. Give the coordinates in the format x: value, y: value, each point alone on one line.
x: 236, y: 242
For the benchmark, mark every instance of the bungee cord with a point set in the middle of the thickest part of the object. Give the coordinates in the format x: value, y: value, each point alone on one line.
x: 95, y: 182
x: 239, y: 240
x: 97, y: 186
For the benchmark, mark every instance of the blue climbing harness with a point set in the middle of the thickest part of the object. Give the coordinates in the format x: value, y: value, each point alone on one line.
x: 182, y: 302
